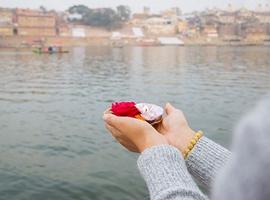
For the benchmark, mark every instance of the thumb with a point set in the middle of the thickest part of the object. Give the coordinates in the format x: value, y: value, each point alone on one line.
x: 169, y: 108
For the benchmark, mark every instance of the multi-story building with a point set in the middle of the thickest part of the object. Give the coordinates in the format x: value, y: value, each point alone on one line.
x: 156, y: 24
x: 173, y: 12
x: 6, y: 22
x: 210, y: 31
x: 182, y: 27
x: 230, y: 32
x: 138, y: 19
x: 6, y: 16
x: 160, y: 26
x: 146, y: 10
x: 227, y: 17
x: 268, y: 30
x: 35, y: 23
x: 256, y: 32
x: 244, y: 13
x: 263, y: 17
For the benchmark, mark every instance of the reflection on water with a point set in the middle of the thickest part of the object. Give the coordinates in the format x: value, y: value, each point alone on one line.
x: 53, y: 144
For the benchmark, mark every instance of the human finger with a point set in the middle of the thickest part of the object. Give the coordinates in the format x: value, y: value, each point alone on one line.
x: 113, y: 131
x: 169, y: 108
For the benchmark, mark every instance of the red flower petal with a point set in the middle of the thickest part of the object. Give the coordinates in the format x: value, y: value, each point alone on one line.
x: 127, y: 109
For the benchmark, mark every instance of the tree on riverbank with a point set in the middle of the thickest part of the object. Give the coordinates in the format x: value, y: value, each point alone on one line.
x: 124, y: 12
x: 102, y: 17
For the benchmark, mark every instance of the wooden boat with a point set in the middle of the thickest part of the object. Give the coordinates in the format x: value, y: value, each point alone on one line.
x: 147, y: 42
x: 49, y: 51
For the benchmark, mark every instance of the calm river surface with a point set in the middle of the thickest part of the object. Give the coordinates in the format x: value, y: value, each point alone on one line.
x: 52, y: 141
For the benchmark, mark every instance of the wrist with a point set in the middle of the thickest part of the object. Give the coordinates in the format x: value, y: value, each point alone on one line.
x: 192, y: 143
x: 184, y: 141
x: 149, y: 142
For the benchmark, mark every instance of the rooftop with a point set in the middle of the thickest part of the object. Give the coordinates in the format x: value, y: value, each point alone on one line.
x: 31, y: 12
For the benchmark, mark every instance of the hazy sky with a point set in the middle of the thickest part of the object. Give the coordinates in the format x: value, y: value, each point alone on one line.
x: 136, y: 5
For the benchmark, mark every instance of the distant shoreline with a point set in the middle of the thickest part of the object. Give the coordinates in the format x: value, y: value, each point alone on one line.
x: 28, y: 42
x: 187, y: 45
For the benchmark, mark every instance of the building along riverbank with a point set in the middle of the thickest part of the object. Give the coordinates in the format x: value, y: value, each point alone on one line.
x: 22, y: 28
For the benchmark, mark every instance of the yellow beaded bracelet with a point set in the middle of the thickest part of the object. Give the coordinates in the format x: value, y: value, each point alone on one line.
x: 192, y: 143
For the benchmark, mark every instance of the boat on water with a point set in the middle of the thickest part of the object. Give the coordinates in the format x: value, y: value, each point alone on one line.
x: 147, y: 42
x: 50, y: 50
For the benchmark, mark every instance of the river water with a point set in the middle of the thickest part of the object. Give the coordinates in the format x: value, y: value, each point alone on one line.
x: 53, y: 143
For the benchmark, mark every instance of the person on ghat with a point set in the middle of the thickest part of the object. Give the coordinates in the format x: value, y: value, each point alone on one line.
x: 174, y: 159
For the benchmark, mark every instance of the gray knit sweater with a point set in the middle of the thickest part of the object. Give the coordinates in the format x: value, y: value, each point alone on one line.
x: 244, y: 175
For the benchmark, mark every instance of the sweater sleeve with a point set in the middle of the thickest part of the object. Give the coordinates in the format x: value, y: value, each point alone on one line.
x: 247, y: 175
x: 164, y: 171
x: 205, y: 160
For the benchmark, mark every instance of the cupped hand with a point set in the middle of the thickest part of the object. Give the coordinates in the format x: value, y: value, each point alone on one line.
x: 135, y: 135
x: 175, y: 128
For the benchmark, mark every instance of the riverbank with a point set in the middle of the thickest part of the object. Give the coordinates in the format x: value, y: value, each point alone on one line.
x: 30, y: 42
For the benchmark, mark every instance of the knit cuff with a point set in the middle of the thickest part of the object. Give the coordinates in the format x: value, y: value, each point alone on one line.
x: 163, y: 167
x: 205, y: 160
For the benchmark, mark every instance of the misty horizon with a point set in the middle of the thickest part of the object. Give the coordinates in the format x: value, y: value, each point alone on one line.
x: 136, y: 6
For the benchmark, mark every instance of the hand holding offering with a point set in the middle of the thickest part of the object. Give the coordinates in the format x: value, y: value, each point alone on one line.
x: 136, y: 135
x: 154, y: 127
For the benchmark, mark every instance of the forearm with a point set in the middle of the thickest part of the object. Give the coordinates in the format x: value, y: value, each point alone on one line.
x: 205, y: 160
x: 164, y: 170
